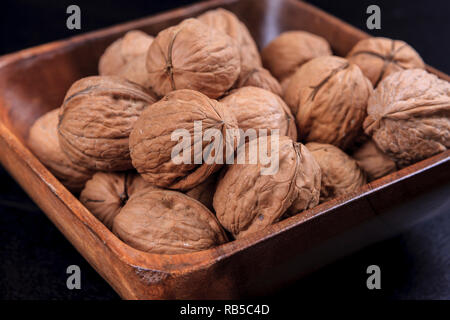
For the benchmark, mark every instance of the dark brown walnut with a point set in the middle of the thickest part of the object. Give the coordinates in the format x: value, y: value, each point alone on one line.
x: 107, y: 192
x: 204, y: 192
x: 151, y: 142
x: 246, y: 200
x: 167, y: 222
x: 409, y: 116
x: 43, y: 141
x: 95, y: 121
x: 256, y: 108
x: 373, y: 161
x: 379, y: 57
x: 261, y: 78
x: 227, y: 22
x: 328, y: 96
x: 340, y: 173
x: 292, y: 49
x: 193, y: 56
x: 126, y: 57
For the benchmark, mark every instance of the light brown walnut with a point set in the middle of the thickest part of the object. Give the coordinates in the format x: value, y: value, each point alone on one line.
x: 373, y: 161
x: 261, y: 78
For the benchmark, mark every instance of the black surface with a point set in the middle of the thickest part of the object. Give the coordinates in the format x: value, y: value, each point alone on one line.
x: 34, y: 255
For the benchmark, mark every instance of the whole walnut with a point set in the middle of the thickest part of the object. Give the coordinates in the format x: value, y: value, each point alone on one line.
x: 328, y: 96
x: 126, y: 57
x: 380, y: 57
x: 204, y: 192
x: 193, y: 56
x: 246, y: 200
x: 152, y: 145
x: 373, y: 161
x: 43, y: 141
x: 409, y: 116
x: 227, y: 22
x: 256, y: 108
x: 167, y: 222
x: 261, y: 78
x: 340, y: 173
x: 95, y: 121
x: 291, y: 50
x: 107, y: 192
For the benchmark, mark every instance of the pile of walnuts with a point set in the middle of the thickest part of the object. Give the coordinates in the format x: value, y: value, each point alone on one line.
x: 112, y: 142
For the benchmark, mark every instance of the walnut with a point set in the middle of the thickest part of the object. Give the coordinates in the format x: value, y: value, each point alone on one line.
x: 151, y: 143
x: 247, y: 200
x: 409, y: 116
x: 328, y: 96
x: 340, y: 173
x: 291, y: 50
x: 256, y: 108
x: 261, y: 78
x: 95, y: 121
x: 43, y: 141
x: 107, y: 192
x: 373, y: 161
x: 204, y: 192
x: 192, y: 56
x: 167, y: 222
x: 126, y: 57
x: 380, y: 57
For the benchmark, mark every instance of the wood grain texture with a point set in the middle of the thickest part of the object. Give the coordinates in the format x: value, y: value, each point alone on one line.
x: 34, y: 81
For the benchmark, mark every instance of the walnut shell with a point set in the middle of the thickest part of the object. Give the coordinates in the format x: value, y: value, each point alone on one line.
x: 96, y: 119
x: 151, y: 144
x: 227, y: 22
x: 373, y: 161
x: 246, y: 200
x: 329, y: 97
x: 192, y: 56
x: 126, y: 58
x: 43, y: 141
x: 256, y: 108
x: 379, y: 57
x: 167, y: 222
x: 340, y: 173
x: 204, y: 192
x: 290, y: 50
x: 261, y: 78
x: 107, y: 192
x: 409, y: 116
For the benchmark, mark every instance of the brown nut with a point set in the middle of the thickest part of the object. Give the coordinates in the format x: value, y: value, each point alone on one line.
x: 167, y: 222
x: 107, y: 192
x: 126, y: 57
x: 204, y: 192
x: 193, y: 56
x: 261, y: 78
x: 151, y: 143
x: 328, y: 97
x: 292, y: 49
x: 409, y: 116
x: 379, y: 57
x: 96, y: 119
x: 256, y: 108
x: 373, y: 161
x: 340, y: 173
x: 43, y: 141
x: 247, y: 200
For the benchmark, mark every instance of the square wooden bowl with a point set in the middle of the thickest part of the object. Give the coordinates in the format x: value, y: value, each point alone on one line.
x: 34, y: 81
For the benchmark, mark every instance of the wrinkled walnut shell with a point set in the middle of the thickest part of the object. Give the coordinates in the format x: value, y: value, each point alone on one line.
x: 193, y: 56
x: 292, y: 49
x: 373, y: 161
x: 409, y: 116
x: 329, y: 97
x: 43, y: 141
x: 204, y: 192
x: 151, y: 144
x: 261, y: 78
x: 340, y: 173
x: 167, y: 222
x: 256, y: 108
x: 96, y: 119
x: 379, y: 57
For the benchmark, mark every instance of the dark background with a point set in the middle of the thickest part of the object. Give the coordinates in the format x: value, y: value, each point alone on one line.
x: 34, y: 255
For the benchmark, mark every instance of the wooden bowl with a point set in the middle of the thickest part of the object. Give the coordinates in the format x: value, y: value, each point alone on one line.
x: 34, y: 81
